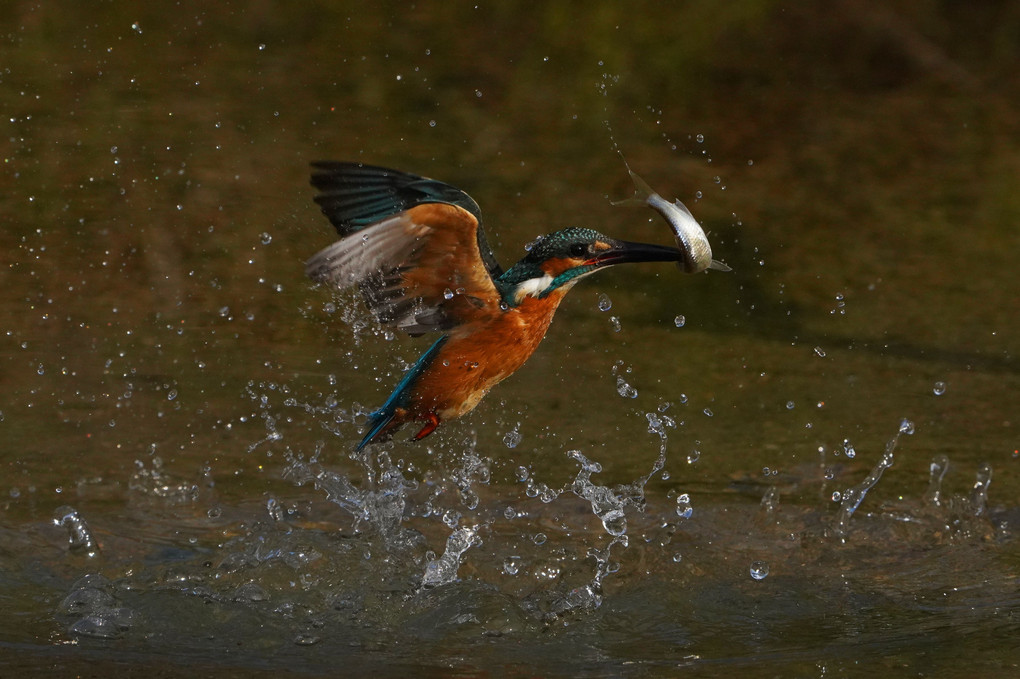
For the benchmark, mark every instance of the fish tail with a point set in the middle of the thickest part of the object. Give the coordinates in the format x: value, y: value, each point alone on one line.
x: 716, y: 265
x: 642, y: 191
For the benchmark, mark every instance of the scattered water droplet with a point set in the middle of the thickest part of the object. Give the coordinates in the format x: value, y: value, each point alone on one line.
x: 448, y: 294
x: 538, y: 538
x: 683, y: 506
x: 700, y: 138
x: 939, y: 388
x: 266, y: 238
x: 759, y: 570
x: 679, y: 321
x: 906, y: 427
x: 836, y: 496
x: 848, y: 448
x: 605, y: 304
x: 512, y: 437
x: 615, y: 322
x: 512, y: 565
x: 820, y: 352
x: 624, y: 389
x: 790, y: 405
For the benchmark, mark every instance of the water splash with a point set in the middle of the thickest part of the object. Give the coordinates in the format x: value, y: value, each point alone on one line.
x: 79, y: 535
x: 939, y: 467
x: 623, y: 388
x: 473, y: 469
x: 382, y: 507
x: 770, y: 500
x: 155, y: 482
x: 512, y: 438
x: 852, y: 497
x: 657, y: 425
x: 95, y: 610
x: 443, y: 571
x: 979, y: 493
x: 606, y: 505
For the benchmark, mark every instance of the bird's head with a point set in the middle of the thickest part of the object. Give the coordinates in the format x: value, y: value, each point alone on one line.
x: 560, y: 259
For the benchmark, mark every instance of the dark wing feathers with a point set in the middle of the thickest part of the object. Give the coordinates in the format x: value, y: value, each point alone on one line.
x: 419, y: 255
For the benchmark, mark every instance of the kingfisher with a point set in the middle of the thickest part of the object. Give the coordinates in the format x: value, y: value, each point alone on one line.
x: 416, y: 250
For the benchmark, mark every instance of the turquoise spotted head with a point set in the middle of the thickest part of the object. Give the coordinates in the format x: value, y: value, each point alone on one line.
x: 560, y: 259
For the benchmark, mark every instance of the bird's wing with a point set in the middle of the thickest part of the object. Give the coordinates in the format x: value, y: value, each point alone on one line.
x: 414, y: 246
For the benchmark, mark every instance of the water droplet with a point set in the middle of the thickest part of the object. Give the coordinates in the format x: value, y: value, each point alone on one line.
x: 511, y: 565
x: 448, y: 294
x: 848, y: 448
x: 693, y: 456
x: 683, y: 506
x: 679, y: 321
x: 708, y: 412
x: 605, y: 304
x: 615, y: 322
x: 624, y: 389
x: 512, y: 437
x: 820, y: 352
x: 939, y: 388
x: 790, y: 405
x: 266, y: 238
x: 759, y: 570
x: 906, y: 427
x: 538, y: 538
x: 700, y: 138
x: 836, y: 496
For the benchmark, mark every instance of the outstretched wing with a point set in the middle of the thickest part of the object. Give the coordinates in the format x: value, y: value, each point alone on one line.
x: 414, y: 246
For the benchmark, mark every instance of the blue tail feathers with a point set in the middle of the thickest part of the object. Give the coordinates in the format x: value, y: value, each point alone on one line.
x: 381, y: 418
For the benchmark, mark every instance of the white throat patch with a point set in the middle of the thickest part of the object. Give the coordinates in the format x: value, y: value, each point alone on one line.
x: 531, y: 286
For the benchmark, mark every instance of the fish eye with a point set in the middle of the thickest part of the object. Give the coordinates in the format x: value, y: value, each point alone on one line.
x: 578, y: 249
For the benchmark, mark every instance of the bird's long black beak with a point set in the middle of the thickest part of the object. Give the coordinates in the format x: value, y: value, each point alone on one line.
x: 625, y: 251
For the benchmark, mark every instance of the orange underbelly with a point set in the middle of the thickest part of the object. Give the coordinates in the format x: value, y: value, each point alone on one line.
x: 474, y: 360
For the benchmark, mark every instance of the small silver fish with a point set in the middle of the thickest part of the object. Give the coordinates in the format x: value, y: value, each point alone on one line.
x: 690, y: 237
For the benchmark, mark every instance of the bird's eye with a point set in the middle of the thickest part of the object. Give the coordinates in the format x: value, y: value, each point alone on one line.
x: 578, y: 249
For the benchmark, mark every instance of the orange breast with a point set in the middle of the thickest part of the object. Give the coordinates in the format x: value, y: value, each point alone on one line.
x: 477, y: 357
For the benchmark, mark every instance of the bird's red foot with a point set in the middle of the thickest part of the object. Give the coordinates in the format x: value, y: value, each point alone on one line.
x: 430, y: 426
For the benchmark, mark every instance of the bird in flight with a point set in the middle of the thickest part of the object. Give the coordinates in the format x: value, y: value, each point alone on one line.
x: 416, y: 249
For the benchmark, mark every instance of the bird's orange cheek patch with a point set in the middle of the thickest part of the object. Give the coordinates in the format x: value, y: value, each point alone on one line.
x: 557, y: 265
